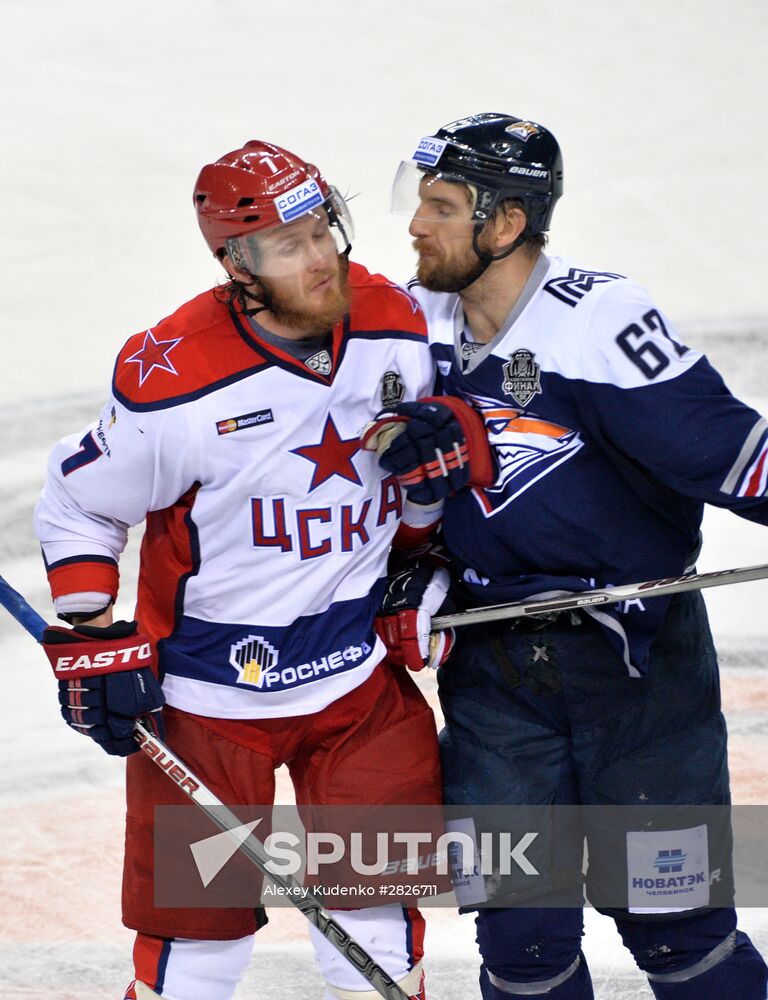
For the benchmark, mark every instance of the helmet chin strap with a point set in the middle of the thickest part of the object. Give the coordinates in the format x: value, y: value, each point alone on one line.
x: 263, y: 298
x: 485, y: 259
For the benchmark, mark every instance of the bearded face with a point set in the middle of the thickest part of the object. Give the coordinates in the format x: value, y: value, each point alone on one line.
x: 442, y: 228
x: 312, y: 301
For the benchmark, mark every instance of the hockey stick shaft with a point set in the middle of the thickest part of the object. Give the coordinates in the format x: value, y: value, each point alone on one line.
x: 188, y: 782
x: 593, y: 598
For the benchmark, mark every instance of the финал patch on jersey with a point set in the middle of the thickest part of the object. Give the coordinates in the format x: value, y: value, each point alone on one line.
x: 522, y: 376
x: 246, y: 420
x: 392, y: 388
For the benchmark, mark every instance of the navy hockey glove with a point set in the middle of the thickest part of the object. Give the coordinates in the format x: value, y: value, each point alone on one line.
x: 435, y: 446
x: 404, y: 620
x: 105, y: 682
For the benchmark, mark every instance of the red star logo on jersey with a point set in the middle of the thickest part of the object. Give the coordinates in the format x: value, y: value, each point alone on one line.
x: 332, y: 456
x: 153, y: 354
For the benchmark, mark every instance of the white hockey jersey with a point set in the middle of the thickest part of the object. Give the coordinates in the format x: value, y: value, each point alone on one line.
x: 267, y: 525
x: 609, y: 435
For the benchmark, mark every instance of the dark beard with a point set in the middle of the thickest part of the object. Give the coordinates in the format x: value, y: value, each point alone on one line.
x: 313, y: 321
x: 453, y: 278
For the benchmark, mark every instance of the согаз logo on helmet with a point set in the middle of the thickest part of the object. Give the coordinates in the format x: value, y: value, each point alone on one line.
x: 299, y: 200
x: 429, y: 150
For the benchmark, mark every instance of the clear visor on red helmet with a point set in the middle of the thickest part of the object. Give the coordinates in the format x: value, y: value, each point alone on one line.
x: 309, y: 232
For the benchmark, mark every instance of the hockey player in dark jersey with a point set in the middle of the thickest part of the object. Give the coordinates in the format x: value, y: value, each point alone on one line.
x: 232, y: 430
x: 607, y: 435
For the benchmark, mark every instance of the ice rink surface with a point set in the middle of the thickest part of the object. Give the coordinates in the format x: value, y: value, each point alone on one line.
x: 110, y: 110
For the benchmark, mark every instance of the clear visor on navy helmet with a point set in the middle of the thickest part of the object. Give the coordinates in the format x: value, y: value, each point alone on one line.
x: 419, y: 189
x: 321, y: 228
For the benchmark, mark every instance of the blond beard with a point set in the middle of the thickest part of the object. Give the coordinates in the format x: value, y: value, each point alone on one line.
x: 321, y: 318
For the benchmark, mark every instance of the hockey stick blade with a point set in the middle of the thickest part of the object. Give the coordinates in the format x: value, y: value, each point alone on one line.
x: 591, y: 598
x: 188, y: 782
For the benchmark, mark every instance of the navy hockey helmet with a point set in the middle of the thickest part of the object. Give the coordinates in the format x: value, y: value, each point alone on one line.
x: 500, y: 157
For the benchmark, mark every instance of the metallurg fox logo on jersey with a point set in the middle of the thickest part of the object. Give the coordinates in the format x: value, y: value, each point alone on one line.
x: 526, y: 449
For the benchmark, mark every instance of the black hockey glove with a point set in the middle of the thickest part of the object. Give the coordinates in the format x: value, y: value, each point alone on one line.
x: 105, y: 682
x: 435, y: 446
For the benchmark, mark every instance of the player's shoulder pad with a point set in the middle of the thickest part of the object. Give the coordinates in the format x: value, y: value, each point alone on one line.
x: 628, y: 341
x: 573, y: 287
x: 439, y: 310
x: 381, y: 308
x: 188, y: 354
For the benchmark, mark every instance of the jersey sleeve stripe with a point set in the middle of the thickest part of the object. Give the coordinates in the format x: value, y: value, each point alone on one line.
x: 78, y: 576
x: 756, y: 484
x: 757, y: 441
x: 89, y: 558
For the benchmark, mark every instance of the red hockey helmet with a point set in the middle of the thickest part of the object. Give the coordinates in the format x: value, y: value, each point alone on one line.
x: 260, y: 187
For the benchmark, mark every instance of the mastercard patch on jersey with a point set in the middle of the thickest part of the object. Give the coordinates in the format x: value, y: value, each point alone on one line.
x: 244, y: 421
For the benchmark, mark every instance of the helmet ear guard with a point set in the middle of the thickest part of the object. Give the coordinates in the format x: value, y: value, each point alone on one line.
x: 489, y: 258
x: 233, y: 251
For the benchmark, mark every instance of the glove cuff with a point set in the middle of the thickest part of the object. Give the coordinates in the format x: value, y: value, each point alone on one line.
x: 482, y: 472
x: 106, y: 654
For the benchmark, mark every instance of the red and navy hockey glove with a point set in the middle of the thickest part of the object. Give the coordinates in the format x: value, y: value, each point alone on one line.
x: 435, y: 446
x: 404, y: 620
x: 105, y: 682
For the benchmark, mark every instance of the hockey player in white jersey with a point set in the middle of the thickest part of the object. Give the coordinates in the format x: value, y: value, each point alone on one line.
x: 608, y: 435
x: 232, y: 431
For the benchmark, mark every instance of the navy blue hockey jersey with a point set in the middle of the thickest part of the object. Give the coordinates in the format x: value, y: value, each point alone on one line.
x: 609, y: 435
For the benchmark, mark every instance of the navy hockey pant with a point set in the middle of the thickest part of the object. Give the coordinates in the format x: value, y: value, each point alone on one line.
x: 550, y: 716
